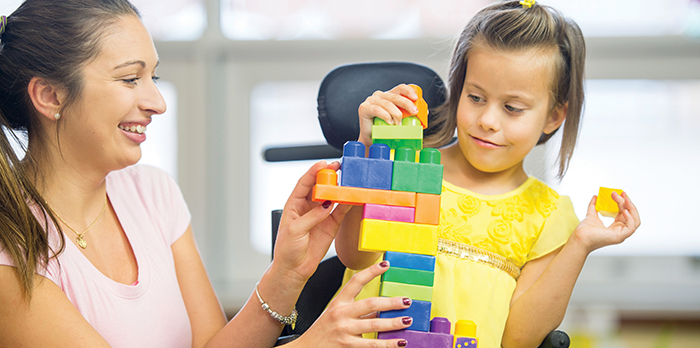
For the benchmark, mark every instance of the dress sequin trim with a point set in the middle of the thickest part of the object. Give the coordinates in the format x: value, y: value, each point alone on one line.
x: 468, y: 252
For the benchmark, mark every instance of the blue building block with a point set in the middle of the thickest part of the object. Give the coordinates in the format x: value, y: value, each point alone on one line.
x: 412, y: 261
x: 373, y: 172
x: 419, y: 311
x: 379, y: 167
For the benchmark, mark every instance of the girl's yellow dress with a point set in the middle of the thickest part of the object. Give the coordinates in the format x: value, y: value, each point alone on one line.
x: 484, y: 242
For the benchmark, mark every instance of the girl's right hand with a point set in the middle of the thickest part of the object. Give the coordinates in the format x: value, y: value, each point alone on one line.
x: 385, y: 105
x: 344, y: 321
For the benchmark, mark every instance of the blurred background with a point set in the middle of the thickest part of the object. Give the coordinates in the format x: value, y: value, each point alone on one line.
x: 240, y: 76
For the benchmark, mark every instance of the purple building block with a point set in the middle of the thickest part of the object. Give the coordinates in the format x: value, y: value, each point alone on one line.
x: 419, y: 339
x: 465, y: 342
x: 389, y: 213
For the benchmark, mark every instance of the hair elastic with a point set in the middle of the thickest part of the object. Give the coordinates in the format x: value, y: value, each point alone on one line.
x: 3, y: 22
x: 527, y: 3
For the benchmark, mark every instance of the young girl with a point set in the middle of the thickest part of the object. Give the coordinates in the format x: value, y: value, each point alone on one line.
x: 510, y: 250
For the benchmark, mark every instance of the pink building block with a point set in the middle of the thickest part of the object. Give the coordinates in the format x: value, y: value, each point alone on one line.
x: 388, y: 213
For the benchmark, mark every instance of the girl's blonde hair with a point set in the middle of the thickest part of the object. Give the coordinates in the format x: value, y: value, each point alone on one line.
x: 510, y: 27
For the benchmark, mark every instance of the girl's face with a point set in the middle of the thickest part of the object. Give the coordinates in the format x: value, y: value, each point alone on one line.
x: 505, y: 107
x: 119, y: 97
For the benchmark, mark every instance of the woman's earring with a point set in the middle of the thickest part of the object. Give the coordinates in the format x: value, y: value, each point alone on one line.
x: 57, y: 116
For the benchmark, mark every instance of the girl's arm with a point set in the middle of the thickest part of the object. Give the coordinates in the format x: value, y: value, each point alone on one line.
x: 384, y: 105
x: 545, y: 285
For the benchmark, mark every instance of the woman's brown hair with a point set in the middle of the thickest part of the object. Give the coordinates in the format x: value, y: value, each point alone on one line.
x: 511, y: 27
x: 52, y: 40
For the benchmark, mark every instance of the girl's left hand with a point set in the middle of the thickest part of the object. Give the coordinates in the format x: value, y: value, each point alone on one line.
x: 306, y: 229
x: 591, y: 232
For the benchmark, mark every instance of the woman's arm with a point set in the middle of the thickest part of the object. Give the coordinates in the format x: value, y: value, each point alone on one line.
x: 545, y: 285
x: 306, y: 231
x: 48, y: 320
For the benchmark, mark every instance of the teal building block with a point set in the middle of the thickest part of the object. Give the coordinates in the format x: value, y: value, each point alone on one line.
x: 408, y: 276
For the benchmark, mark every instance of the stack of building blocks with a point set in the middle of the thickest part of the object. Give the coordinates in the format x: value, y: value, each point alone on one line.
x: 401, y: 212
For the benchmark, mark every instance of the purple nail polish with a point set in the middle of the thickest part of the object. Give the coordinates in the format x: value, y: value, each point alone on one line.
x: 326, y: 204
x: 407, y: 320
x: 384, y: 264
x: 403, y: 343
x: 406, y: 301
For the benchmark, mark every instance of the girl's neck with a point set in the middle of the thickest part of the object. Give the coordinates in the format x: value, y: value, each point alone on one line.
x: 458, y: 171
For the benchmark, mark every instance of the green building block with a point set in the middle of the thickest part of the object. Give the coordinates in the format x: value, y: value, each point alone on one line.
x: 423, y: 177
x: 405, y: 173
x: 408, y: 276
x: 409, y: 133
x: 414, y: 292
x: 430, y: 172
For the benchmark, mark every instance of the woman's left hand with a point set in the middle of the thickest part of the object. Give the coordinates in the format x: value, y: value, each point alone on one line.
x: 307, y: 228
x: 593, y: 234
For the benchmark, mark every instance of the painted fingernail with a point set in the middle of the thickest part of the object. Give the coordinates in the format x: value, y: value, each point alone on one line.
x: 407, y: 320
x: 414, y: 109
x: 326, y: 204
x: 403, y: 343
x: 406, y: 301
x: 384, y: 264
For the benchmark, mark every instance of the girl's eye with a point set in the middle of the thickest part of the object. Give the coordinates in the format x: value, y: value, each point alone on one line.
x: 513, y: 110
x: 155, y: 78
x: 475, y: 99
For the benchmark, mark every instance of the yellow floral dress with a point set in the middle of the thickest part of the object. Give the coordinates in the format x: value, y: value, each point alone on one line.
x: 484, y: 242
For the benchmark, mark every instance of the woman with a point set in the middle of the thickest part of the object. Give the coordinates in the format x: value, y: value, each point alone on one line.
x: 114, y: 240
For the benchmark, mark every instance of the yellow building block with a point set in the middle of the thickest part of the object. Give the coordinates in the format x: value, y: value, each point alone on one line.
x: 404, y: 237
x: 605, y: 204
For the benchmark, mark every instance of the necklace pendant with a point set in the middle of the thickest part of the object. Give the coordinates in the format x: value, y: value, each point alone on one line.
x: 81, y: 241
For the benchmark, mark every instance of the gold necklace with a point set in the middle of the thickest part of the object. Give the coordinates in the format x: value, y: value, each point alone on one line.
x: 79, y: 239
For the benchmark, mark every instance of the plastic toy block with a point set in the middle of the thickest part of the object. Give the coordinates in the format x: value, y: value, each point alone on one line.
x: 408, y: 276
x: 414, y: 292
x: 430, y: 172
x: 388, y: 213
x: 397, y: 136
x: 412, y: 261
x: 372, y: 172
x: 419, y: 311
x: 605, y: 204
x: 419, y: 339
x: 440, y: 325
x: 424, y: 176
x: 326, y: 189
x: 422, y: 106
x: 380, y: 235
x: 427, y: 209
x: 379, y: 167
x: 465, y: 334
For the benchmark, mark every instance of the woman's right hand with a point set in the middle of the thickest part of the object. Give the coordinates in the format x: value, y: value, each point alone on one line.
x: 344, y: 321
x: 387, y: 106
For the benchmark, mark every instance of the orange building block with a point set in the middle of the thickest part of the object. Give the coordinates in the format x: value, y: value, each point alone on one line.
x: 327, y: 189
x: 404, y: 237
x: 427, y: 209
x: 422, y: 106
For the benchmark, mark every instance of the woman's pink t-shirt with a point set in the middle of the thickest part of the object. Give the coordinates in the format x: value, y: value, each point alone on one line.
x: 151, y: 312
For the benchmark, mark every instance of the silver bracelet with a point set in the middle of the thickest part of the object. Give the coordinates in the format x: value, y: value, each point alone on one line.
x: 289, y: 320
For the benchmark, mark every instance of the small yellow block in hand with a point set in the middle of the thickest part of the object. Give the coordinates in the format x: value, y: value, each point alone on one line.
x: 605, y: 204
